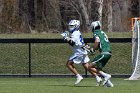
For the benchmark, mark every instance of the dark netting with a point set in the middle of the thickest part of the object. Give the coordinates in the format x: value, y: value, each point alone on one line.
x: 13, y: 59
x: 51, y: 58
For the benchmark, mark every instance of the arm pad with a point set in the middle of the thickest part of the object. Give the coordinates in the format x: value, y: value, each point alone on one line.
x: 72, y: 43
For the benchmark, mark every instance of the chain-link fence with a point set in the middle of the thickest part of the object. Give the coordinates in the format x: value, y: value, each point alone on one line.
x: 30, y: 57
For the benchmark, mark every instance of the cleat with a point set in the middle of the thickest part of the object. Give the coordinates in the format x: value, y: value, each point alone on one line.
x: 109, y: 84
x: 98, y: 82
x: 78, y: 80
x: 106, y: 79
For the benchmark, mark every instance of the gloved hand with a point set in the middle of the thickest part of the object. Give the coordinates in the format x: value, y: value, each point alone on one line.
x: 88, y: 49
x: 65, y: 35
x: 92, y: 51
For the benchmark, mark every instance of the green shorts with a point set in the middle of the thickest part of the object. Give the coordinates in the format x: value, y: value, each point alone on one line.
x: 101, y: 60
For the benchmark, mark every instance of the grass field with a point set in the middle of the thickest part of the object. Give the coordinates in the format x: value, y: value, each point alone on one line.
x: 57, y: 35
x: 45, y: 57
x: 64, y: 85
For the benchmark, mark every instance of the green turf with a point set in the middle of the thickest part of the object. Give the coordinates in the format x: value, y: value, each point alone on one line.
x: 64, y: 85
x: 57, y: 35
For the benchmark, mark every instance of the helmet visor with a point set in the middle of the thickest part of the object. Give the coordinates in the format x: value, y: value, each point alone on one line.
x: 71, y: 27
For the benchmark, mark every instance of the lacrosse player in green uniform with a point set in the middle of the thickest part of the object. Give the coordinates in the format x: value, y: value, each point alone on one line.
x: 103, y: 45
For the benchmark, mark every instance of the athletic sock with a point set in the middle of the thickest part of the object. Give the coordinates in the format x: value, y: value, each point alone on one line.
x: 103, y: 74
x: 78, y: 76
x: 98, y: 78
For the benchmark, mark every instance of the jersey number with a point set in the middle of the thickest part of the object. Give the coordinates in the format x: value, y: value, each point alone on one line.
x: 105, y: 37
x: 81, y: 39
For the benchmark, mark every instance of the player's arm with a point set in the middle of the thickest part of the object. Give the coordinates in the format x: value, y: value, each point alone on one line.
x: 66, y: 37
x: 96, y: 43
x: 95, y: 46
x: 70, y: 41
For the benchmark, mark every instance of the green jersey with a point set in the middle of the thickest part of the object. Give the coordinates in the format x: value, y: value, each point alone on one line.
x: 104, y: 45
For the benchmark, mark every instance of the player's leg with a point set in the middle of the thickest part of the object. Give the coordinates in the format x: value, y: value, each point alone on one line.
x: 71, y: 67
x: 85, y: 64
x: 77, y: 59
x: 102, y: 64
x: 93, y: 72
x: 98, y: 63
x: 74, y: 70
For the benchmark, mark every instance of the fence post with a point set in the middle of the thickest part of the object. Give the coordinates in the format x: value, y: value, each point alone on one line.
x: 85, y: 73
x: 29, y: 60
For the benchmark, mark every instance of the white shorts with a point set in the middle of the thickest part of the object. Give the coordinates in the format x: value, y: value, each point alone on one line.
x: 79, y: 58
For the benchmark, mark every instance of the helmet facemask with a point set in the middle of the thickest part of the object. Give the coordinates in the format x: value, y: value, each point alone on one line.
x: 73, y: 25
x: 95, y: 25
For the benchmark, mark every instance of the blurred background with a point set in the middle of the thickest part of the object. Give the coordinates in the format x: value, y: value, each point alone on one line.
x: 43, y: 16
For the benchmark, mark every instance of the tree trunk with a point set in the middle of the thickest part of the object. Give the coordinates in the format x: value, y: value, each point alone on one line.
x: 100, y: 9
x: 9, y: 19
x: 52, y: 15
x: 135, y: 6
x: 117, y: 18
x: 109, y: 27
x: 24, y: 15
x: 1, y: 15
x: 31, y: 13
x: 85, y: 14
x: 39, y: 7
x: 88, y: 5
x: 97, y: 10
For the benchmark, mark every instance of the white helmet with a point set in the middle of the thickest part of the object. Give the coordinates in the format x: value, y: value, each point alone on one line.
x: 74, y: 25
x: 95, y: 24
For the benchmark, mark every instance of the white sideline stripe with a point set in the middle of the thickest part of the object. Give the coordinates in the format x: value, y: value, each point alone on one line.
x: 16, y: 83
x: 22, y: 83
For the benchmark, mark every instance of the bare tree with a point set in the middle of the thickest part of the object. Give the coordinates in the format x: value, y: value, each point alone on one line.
x: 134, y: 7
x: 24, y: 16
x: 117, y: 16
x: 84, y: 13
x: 109, y: 22
x: 53, y: 16
x: 100, y: 9
x: 121, y: 15
x: 33, y: 16
x: 1, y: 11
x: 39, y: 6
x: 88, y: 6
x: 9, y: 20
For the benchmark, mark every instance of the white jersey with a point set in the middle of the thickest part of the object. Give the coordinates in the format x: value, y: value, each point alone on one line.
x: 79, y: 42
x: 79, y: 55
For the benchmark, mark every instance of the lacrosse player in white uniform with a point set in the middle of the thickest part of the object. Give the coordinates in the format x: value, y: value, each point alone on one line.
x: 79, y: 53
